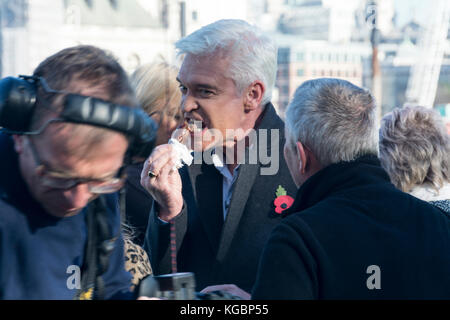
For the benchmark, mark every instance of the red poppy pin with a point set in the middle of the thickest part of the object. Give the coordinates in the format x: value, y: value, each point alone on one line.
x: 282, y: 201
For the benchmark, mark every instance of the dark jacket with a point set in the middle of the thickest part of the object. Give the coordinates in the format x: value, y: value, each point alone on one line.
x: 217, y: 251
x: 39, y: 253
x: 138, y: 203
x: 347, y: 221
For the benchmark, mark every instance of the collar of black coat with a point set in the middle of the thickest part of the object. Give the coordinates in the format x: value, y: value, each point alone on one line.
x: 268, y: 118
x: 337, y: 178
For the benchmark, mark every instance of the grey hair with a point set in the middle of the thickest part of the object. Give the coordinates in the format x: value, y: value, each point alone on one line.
x: 253, y: 55
x: 415, y: 148
x: 334, y: 118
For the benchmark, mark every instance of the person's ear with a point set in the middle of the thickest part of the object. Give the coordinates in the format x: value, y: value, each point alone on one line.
x: 253, y: 96
x: 303, y: 157
x: 19, y: 142
x: 308, y: 161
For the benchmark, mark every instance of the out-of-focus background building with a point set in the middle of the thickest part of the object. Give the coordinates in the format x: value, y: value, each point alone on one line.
x: 316, y: 38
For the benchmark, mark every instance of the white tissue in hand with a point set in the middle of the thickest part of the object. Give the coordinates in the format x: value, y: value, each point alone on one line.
x: 184, y: 155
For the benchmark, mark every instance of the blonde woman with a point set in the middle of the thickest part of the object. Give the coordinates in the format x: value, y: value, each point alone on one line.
x: 157, y: 91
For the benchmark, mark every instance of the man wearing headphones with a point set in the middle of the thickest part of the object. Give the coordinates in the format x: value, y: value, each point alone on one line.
x: 58, y: 178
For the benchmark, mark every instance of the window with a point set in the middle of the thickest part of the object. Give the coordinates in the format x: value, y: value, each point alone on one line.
x: 283, y: 55
x: 300, y: 72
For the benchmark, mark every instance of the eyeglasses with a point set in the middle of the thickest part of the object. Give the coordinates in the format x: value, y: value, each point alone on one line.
x: 57, y: 180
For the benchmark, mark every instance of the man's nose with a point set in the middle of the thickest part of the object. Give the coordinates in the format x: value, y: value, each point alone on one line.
x: 188, y: 103
x: 79, y: 195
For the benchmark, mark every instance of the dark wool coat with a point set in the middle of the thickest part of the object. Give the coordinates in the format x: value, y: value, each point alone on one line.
x: 351, y: 234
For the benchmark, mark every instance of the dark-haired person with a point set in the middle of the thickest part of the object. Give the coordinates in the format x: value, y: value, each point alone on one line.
x: 48, y: 181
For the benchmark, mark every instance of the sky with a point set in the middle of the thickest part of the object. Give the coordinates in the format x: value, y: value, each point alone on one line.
x: 408, y: 9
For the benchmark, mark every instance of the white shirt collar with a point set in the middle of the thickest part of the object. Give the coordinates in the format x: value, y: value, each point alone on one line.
x: 222, y: 168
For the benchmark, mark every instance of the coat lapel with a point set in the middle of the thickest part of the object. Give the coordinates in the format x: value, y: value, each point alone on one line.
x: 244, y: 183
x: 241, y: 192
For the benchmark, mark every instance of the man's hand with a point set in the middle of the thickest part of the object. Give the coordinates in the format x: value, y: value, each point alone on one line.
x: 230, y: 288
x: 165, y: 186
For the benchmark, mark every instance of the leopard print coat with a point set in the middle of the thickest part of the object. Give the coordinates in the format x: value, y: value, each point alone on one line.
x: 136, y: 262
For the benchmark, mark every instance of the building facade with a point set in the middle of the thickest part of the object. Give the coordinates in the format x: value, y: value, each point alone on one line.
x: 301, y: 60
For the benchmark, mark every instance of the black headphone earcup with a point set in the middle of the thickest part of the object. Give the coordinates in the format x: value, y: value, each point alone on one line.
x: 17, y: 101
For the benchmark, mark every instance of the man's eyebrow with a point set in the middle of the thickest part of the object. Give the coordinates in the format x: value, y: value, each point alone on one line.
x: 201, y: 85
x: 206, y: 86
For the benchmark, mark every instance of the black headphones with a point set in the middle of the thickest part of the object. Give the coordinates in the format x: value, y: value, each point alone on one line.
x: 18, y: 100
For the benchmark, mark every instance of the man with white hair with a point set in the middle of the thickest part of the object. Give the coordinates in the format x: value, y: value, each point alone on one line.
x: 350, y: 234
x: 219, y: 213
